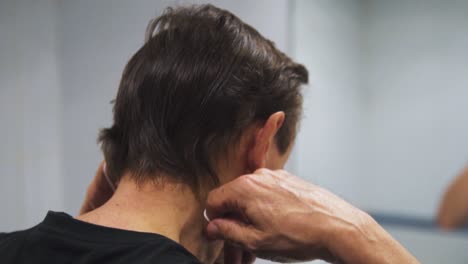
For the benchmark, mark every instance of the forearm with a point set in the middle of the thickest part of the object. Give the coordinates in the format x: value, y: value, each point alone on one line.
x: 367, y: 244
x: 298, y: 221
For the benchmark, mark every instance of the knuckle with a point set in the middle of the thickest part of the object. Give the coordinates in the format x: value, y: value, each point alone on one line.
x: 245, y: 179
x: 226, y: 230
x: 210, y: 199
x: 251, y: 246
x: 283, y: 172
x: 262, y: 171
x: 248, y: 181
x: 254, y: 243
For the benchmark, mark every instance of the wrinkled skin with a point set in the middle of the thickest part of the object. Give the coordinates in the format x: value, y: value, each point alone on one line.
x: 280, y: 217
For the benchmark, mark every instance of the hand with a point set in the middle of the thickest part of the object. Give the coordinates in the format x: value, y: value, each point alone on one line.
x: 278, y: 216
x: 99, y: 191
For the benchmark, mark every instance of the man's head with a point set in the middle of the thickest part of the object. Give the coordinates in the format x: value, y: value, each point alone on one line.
x: 205, y: 89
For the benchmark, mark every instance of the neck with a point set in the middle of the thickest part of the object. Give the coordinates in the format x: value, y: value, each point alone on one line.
x: 169, y: 209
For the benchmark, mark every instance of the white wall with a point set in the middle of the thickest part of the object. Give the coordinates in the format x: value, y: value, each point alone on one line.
x: 432, y: 247
x: 386, y: 115
x: 385, y: 123
x: 326, y: 38
x: 416, y: 76
x: 30, y: 179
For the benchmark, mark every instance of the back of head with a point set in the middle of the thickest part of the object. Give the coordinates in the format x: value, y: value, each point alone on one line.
x: 185, y: 97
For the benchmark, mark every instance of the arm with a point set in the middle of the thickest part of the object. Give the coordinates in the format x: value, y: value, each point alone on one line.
x: 278, y: 216
x: 453, y: 210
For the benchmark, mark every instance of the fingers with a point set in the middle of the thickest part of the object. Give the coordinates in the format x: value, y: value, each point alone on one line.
x: 227, y: 199
x: 234, y: 197
x: 234, y: 232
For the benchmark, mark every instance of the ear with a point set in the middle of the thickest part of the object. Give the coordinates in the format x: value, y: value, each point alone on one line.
x: 263, y: 141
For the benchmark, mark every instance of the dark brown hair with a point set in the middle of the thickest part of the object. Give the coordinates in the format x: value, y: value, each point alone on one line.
x: 201, y: 77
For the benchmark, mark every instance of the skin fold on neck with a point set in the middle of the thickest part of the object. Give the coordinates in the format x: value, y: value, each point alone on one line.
x: 169, y: 209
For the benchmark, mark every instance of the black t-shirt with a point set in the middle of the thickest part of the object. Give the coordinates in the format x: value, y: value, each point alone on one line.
x: 62, y: 239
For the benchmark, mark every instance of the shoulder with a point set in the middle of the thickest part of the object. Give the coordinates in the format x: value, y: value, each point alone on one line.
x: 11, y: 242
x: 5, y: 237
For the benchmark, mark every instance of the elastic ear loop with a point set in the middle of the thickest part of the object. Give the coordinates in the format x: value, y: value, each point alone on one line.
x: 109, y: 181
x: 206, y: 216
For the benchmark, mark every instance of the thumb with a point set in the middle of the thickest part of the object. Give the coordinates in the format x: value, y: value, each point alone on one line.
x: 233, y: 231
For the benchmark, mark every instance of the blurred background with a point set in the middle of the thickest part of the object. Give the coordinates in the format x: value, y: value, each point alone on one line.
x: 385, y: 125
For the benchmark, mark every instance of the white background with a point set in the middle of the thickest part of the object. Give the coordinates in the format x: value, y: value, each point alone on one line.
x: 386, y: 116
